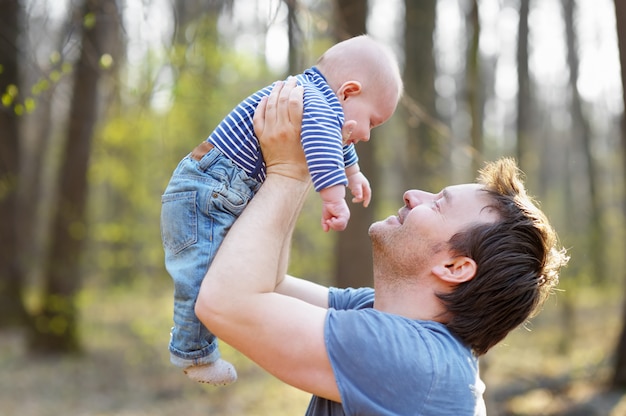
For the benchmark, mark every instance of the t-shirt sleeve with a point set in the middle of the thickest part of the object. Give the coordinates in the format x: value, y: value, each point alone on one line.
x: 351, y: 298
x: 350, y: 156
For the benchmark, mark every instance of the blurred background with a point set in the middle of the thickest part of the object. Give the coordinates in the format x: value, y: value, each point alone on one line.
x: 100, y: 99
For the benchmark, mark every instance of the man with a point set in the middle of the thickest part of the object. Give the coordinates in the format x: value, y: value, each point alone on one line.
x: 454, y: 272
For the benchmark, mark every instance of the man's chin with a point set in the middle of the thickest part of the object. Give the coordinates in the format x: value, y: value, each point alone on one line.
x: 378, y: 226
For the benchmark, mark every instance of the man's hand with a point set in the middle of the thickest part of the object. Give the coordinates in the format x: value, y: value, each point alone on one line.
x: 277, y: 127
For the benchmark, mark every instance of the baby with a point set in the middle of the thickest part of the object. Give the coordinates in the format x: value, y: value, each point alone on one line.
x: 354, y: 86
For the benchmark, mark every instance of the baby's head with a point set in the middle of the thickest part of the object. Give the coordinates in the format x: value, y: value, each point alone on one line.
x: 366, y: 78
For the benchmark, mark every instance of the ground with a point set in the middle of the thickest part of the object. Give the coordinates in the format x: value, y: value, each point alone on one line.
x: 124, y: 370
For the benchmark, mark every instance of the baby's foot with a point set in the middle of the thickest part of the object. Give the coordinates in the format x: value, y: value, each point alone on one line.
x: 219, y: 373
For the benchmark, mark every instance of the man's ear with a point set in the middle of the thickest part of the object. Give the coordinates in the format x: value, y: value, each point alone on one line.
x: 348, y: 89
x: 456, y: 270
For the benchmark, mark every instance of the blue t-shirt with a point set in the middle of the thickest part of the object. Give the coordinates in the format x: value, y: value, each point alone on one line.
x: 386, y: 364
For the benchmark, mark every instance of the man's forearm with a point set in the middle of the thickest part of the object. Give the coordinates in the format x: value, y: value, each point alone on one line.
x: 283, y: 261
x: 245, y: 299
x: 253, y: 254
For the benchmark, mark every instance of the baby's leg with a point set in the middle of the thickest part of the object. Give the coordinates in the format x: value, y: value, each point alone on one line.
x: 199, y: 207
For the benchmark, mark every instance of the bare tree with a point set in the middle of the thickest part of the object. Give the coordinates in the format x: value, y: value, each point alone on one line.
x: 56, y: 328
x: 619, y: 374
x: 524, y: 116
x: 294, y: 32
x: 353, y: 267
x: 596, y: 244
x: 188, y: 11
x: 424, y: 149
x: 474, y: 87
x: 12, y: 311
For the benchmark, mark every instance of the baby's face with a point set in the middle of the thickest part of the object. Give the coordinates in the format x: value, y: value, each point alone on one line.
x: 369, y: 109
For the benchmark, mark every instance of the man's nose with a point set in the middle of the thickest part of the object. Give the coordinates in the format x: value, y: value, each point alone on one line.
x: 415, y: 197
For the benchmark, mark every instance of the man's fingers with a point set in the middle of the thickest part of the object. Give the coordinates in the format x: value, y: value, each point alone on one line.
x: 284, y: 104
x: 296, y: 95
x: 272, y: 101
x: 285, y: 101
x: 258, y: 121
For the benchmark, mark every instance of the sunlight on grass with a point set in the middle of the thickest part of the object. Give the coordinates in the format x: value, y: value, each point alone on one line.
x: 547, y: 368
x: 125, y: 369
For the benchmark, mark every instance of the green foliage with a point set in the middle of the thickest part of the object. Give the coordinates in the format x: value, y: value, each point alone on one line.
x: 106, y: 61
x: 9, y: 95
x: 89, y: 21
x: 26, y: 104
x: 8, y: 185
x: 59, y: 308
x: 139, y: 146
x: 125, y: 189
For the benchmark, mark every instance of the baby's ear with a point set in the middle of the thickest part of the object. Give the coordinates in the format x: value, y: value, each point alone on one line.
x: 348, y: 89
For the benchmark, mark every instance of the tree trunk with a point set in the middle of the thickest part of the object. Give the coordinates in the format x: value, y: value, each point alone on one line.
x: 12, y: 310
x: 423, y: 150
x: 619, y: 375
x: 473, y: 88
x: 188, y: 11
x: 524, y: 117
x: 56, y: 328
x: 353, y: 261
x: 294, y: 32
x: 582, y: 132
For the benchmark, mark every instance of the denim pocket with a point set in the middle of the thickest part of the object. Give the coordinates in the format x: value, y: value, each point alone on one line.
x: 179, y: 221
x: 228, y: 201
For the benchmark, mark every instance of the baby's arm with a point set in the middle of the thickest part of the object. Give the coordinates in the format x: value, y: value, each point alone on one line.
x: 359, y: 185
x: 335, y: 212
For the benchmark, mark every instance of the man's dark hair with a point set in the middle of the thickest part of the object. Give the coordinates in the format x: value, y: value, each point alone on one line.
x: 517, y: 260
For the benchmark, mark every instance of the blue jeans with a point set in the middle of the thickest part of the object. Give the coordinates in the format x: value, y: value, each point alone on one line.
x: 200, y: 204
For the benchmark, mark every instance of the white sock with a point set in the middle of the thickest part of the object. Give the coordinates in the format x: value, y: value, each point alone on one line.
x: 218, y: 373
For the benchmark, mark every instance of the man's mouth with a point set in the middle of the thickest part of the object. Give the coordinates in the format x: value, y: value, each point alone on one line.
x: 400, y: 216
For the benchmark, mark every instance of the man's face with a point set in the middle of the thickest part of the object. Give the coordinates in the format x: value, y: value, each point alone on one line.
x: 427, y: 221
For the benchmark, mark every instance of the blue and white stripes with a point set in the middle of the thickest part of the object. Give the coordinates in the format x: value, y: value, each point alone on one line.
x: 322, y: 120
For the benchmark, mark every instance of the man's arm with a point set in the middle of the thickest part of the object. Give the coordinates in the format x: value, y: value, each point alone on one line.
x: 305, y: 290
x: 238, y: 299
x: 288, y: 285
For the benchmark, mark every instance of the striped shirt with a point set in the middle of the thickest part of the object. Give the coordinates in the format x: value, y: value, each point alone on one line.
x: 322, y: 121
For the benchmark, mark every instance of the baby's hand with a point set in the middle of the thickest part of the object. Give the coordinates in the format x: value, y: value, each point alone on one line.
x: 335, y: 215
x: 360, y: 188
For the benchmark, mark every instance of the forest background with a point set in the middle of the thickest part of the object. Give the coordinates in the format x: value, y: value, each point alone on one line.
x: 100, y: 99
